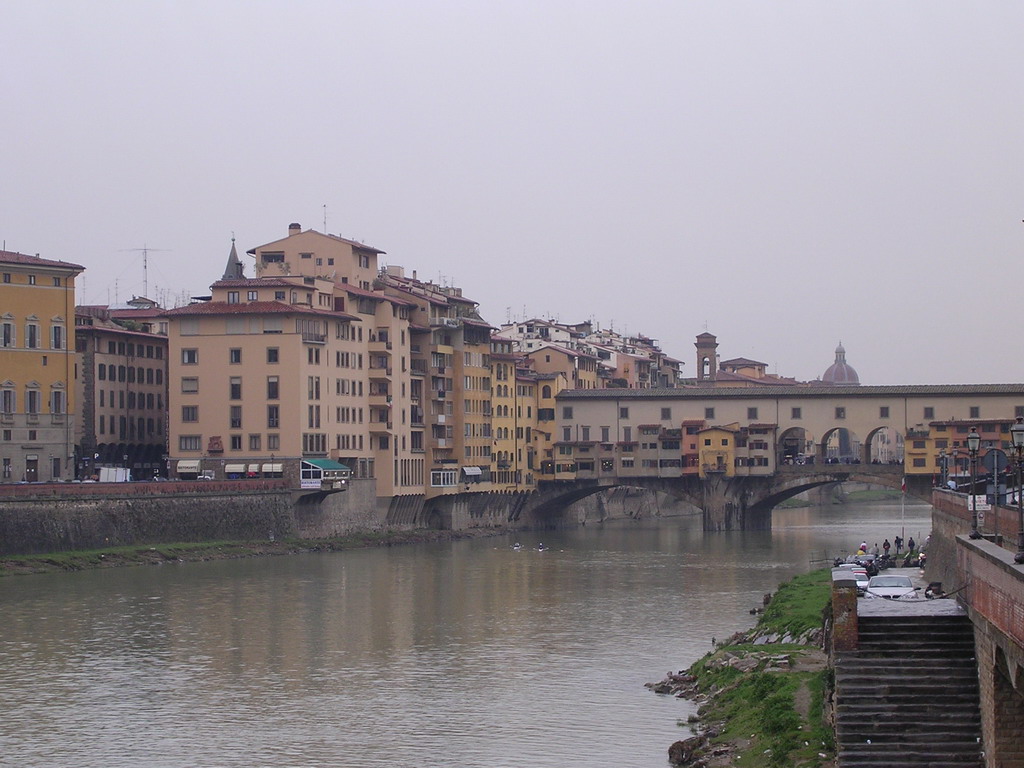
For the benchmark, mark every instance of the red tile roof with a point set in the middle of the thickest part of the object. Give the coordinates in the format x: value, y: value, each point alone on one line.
x: 11, y: 257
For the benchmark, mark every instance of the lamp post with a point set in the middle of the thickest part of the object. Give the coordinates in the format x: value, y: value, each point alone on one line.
x: 973, y: 443
x: 943, y: 469
x: 1017, y: 439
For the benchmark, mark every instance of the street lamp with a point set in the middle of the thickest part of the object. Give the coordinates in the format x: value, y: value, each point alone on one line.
x: 1017, y: 439
x: 973, y: 443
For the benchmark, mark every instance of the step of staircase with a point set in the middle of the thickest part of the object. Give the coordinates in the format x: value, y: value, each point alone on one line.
x: 909, y: 694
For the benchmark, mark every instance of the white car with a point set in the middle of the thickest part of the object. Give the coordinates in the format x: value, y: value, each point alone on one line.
x: 892, y: 587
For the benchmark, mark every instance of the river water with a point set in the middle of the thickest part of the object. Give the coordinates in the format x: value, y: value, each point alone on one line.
x: 463, y: 654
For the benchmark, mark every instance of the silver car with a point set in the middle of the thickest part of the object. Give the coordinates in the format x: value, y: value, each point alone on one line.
x: 892, y: 587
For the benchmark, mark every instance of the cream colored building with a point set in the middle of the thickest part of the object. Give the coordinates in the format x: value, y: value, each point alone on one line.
x: 37, y: 368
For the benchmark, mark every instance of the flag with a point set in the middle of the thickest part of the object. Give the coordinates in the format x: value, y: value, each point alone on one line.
x: 904, y: 487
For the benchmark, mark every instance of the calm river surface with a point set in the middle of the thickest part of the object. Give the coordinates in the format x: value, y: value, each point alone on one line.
x: 464, y: 654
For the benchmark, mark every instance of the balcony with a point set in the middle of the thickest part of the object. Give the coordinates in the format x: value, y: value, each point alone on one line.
x: 445, y: 322
x: 380, y: 399
x: 380, y: 373
x: 314, y: 338
x: 418, y: 368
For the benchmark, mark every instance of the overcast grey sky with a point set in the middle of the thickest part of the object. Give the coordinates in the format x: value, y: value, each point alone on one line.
x: 785, y: 174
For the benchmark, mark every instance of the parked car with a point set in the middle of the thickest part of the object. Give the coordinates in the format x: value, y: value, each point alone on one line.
x: 859, y: 573
x: 892, y: 587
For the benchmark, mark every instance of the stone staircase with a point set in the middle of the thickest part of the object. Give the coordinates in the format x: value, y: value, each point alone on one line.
x: 909, y: 695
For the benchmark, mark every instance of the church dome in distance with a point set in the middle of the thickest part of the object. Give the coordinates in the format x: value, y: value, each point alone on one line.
x: 840, y: 373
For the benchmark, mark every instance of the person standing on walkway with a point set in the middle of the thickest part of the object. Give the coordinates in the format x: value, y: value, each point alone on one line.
x: 910, y: 544
x: 898, y: 541
x: 886, y: 546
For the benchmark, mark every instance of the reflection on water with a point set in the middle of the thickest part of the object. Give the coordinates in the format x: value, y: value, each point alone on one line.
x: 461, y: 654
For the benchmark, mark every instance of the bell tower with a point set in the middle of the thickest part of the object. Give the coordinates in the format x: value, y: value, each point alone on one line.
x: 707, y: 356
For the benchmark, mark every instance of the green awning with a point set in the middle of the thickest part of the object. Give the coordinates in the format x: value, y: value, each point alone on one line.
x: 326, y: 464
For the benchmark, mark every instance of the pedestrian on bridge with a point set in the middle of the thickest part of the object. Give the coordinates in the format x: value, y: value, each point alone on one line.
x: 910, y: 544
x: 898, y: 541
x: 886, y: 546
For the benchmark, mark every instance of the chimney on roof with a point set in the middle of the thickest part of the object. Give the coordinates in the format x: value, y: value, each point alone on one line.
x: 294, y: 228
x: 414, y: 274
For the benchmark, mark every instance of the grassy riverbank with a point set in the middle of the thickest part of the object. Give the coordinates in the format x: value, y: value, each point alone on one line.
x: 762, y: 692
x: 184, y: 552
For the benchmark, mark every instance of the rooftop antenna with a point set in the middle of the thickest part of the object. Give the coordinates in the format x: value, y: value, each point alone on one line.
x: 144, y: 250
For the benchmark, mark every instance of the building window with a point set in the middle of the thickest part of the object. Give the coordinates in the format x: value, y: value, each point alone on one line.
x: 31, y: 279
x: 32, y: 336
x: 233, y: 297
x: 189, y: 384
x: 929, y: 412
x: 840, y: 412
x: 253, y: 295
x: 666, y: 414
x: 255, y: 442
x: 709, y: 413
x: 236, y: 417
x: 32, y: 401
x: 273, y: 416
x: 273, y: 442
x: 796, y: 413
x: 273, y: 389
x: 56, y: 401
x: 623, y: 413
x: 975, y: 412
x: 883, y: 412
x: 56, y: 282
x: 235, y: 388
x: 272, y: 354
x: 751, y: 413
x: 8, y: 400
x: 235, y: 356
x: 190, y: 413
x: 190, y: 357
x: 566, y: 411
x: 190, y: 442
x: 56, y: 337
x: 8, y: 335
x: 236, y: 442
x: 7, y: 277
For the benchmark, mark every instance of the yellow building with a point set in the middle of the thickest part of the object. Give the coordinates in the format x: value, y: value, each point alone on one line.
x: 37, y: 368
x: 717, y: 450
x: 579, y: 368
x: 451, y: 347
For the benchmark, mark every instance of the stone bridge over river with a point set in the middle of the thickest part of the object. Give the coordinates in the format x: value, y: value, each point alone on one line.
x: 728, y: 503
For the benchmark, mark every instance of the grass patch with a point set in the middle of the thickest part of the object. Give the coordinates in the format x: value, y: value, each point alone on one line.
x: 879, y: 495
x: 797, y: 604
x: 773, y: 718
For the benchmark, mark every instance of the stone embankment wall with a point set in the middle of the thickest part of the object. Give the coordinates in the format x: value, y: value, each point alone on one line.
x: 37, y: 519
x: 36, y: 523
